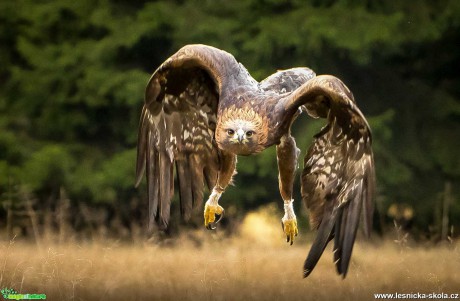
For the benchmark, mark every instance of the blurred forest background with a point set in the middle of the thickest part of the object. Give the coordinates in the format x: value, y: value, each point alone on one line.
x: 73, y: 73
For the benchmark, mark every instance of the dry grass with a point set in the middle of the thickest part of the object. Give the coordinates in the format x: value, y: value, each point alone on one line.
x: 246, y: 267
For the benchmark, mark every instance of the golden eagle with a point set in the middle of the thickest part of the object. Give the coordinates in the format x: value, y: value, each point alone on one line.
x: 202, y: 109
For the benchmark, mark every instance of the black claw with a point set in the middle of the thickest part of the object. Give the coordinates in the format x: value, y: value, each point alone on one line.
x: 219, y: 216
x: 282, y: 225
x: 213, y: 226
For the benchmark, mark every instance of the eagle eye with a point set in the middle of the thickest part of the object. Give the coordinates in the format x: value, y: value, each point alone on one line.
x: 230, y: 132
x: 249, y: 133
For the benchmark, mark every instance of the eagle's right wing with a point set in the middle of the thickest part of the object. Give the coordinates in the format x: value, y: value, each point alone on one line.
x: 177, y: 127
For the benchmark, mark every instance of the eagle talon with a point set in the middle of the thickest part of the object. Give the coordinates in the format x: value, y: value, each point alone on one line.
x: 290, y: 229
x: 210, y: 214
x: 213, y: 226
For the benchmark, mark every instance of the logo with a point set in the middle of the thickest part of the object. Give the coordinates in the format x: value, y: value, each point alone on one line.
x: 11, y: 294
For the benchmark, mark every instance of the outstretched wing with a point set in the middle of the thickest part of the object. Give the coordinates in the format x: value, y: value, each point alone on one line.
x: 177, y: 127
x: 338, y: 178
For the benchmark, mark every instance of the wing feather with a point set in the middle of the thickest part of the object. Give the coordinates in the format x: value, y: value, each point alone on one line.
x: 338, y: 176
x: 196, y: 167
x: 322, y: 238
x: 177, y: 126
x: 285, y: 81
x: 153, y: 178
x: 185, y: 188
x: 142, y: 149
x: 352, y: 211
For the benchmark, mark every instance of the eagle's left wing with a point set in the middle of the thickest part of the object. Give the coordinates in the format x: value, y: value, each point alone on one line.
x: 338, y: 177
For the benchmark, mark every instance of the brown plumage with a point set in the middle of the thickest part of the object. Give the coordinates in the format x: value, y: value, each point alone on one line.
x: 202, y: 108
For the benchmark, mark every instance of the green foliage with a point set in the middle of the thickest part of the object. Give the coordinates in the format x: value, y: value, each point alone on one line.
x: 108, y: 182
x: 48, y: 167
x: 72, y: 76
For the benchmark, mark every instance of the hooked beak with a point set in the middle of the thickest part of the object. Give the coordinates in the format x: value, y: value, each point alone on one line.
x: 240, y: 134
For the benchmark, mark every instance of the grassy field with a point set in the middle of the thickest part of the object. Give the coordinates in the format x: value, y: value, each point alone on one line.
x: 202, y: 265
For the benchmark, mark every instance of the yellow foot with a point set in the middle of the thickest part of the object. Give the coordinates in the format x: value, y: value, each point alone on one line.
x: 210, y: 212
x: 290, y: 229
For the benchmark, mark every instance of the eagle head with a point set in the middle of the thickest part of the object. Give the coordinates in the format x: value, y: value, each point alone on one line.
x: 241, y: 131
